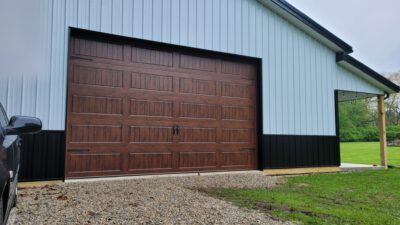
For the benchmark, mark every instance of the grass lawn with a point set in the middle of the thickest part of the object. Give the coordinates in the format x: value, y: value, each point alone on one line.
x: 367, y: 153
x: 371, y: 197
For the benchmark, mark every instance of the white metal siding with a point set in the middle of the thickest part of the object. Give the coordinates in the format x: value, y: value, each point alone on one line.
x: 299, y: 74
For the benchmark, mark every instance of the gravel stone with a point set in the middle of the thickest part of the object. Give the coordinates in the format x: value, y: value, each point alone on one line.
x: 170, y: 200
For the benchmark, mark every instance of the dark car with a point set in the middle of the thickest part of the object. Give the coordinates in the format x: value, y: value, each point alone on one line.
x: 10, y: 144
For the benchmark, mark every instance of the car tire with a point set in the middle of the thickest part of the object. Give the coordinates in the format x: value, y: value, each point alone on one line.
x: 1, y: 211
x: 15, y: 198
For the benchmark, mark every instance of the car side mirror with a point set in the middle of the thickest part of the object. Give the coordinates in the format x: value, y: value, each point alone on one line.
x: 23, y: 125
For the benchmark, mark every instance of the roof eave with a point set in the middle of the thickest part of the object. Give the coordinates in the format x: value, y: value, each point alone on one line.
x: 364, y: 71
x: 307, y: 24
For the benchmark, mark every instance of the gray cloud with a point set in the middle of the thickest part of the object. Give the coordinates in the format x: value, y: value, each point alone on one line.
x: 372, y: 27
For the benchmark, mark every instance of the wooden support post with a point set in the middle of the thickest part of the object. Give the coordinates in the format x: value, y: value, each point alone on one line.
x: 382, y: 131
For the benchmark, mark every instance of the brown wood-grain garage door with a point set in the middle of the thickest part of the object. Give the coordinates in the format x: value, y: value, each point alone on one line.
x: 150, y: 108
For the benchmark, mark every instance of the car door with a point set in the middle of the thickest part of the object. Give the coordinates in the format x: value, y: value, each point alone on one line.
x: 8, y: 156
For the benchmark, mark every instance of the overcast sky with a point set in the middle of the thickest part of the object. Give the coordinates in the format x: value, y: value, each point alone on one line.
x: 371, y: 27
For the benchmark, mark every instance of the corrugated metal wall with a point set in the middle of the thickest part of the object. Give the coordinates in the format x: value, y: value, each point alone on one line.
x: 299, y: 74
x: 42, y: 156
x: 300, y: 151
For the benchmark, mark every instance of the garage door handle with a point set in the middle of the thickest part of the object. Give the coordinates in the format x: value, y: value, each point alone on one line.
x: 177, y: 130
x: 174, y: 130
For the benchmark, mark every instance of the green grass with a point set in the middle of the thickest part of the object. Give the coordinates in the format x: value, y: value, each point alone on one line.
x: 367, y: 153
x: 371, y: 197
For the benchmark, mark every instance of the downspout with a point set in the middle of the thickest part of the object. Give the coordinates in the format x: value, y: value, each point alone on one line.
x: 387, y: 95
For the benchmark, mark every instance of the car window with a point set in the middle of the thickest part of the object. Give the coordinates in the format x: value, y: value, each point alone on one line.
x: 3, y: 117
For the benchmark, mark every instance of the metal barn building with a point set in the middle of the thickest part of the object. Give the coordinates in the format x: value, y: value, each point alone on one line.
x: 127, y: 87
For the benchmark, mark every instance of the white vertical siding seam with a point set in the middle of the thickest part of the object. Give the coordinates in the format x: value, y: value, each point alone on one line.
x: 294, y: 96
x: 142, y: 19
x: 7, y: 95
x: 284, y: 75
x: 328, y: 111
x: 298, y: 92
x: 22, y: 95
x: 65, y: 64
x: 170, y: 24
x: 204, y: 24
x: 51, y: 64
x: 112, y: 27
x: 219, y: 26
x: 196, y: 22
x: 308, y: 80
x: 100, y: 15
x: 274, y: 129
x: 36, y: 96
x: 317, y: 76
x: 89, y: 7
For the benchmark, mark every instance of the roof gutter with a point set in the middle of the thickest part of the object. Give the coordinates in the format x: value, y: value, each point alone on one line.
x: 307, y: 24
x: 362, y: 70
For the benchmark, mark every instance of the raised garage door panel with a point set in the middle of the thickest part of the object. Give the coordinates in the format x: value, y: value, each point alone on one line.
x: 136, y: 108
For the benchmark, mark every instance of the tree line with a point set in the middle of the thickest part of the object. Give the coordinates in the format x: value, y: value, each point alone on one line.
x: 358, y: 120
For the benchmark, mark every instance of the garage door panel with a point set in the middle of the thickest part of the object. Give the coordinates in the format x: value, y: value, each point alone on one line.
x: 96, y: 104
x: 203, y: 67
x: 150, y: 134
x: 152, y: 161
x: 197, y: 135
x: 96, y: 148
x: 96, y: 48
x: 88, y: 90
x: 237, y: 135
x: 152, y: 109
x: 234, y: 124
x: 152, y: 56
x: 147, y: 147
x: 234, y: 159
x: 195, y: 62
x: 197, y: 159
x: 198, y: 111
x: 161, y: 121
x: 197, y: 86
x: 235, y: 112
x: 95, y: 119
x: 151, y: 82
x: 101, y: 66
x: 173, y: 71
x: 216, y: 100
x: 235, y: 90
x: 94, y: 162
x: 248, y: 70
x: 85, y: 133
x: 97, y: 76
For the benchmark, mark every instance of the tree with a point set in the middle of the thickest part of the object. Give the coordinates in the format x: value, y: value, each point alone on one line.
x: 355, y: 114
x: 393, y: 102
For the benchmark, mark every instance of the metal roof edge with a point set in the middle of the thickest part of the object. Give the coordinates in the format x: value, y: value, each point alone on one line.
x: 362, y: 68
x: 296, y: 14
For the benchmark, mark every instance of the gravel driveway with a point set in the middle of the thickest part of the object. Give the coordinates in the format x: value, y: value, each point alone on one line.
x: 168, y: 200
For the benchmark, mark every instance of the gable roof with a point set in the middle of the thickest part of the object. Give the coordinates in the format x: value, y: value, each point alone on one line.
x: 342, y: 49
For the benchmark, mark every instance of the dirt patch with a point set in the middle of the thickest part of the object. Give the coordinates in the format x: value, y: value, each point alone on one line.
x: 268, y: 207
